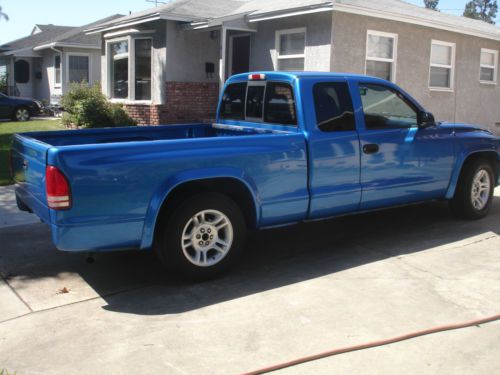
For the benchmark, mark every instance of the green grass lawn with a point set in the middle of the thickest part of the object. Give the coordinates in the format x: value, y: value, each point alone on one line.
x: 8, y: 129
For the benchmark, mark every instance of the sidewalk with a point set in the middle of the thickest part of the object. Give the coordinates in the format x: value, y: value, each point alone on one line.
x: 10, y: 215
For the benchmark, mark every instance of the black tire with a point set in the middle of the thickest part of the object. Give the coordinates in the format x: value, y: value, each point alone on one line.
x: 21, y: 114
x: 179, y: 259
x: 462, y: 203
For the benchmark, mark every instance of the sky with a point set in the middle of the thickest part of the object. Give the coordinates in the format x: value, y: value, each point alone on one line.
x: 24, y: 14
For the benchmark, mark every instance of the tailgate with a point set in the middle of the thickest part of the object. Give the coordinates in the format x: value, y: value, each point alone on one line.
x: 28, y: 162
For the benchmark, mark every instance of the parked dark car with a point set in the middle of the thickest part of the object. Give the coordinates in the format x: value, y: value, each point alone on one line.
x: 18, y: 109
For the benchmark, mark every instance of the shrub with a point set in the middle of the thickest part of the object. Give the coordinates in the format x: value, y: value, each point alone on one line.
x: 3, y: 83
x: 86, y: 106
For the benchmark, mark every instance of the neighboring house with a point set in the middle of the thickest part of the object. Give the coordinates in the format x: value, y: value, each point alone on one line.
x: 43, y: 64
x: 169, y: 63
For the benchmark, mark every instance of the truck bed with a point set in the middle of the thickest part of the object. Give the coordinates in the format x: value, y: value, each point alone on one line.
x: 118, y: 176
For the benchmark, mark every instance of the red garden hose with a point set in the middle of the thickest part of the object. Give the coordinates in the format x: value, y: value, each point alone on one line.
x: 374, y: 344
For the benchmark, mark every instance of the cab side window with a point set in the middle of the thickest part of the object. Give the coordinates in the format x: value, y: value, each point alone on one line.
x: 334, y: 109
x: 386, y: 108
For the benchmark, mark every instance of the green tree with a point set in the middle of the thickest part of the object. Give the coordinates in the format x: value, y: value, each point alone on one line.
x: 484, y: 10
x: 431, y: 4
x: 3, y: 15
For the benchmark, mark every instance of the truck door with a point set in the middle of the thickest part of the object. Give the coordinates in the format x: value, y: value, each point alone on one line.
x: 400, y: 162
x: 334, y: 153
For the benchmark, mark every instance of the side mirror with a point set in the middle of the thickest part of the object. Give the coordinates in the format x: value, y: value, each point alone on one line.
x: 426, y: 119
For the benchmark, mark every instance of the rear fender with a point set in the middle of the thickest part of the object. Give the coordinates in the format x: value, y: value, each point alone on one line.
x: 162, y: 193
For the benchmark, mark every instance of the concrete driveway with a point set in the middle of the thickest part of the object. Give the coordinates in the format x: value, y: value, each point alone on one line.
x: 299, y: 291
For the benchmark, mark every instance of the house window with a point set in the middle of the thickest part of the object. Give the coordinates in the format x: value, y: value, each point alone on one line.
x: 381, y: 52
x: 78, y: 68
x: 57, y: 70
x: 118, y: 69
x: 143, y: 69
x: 129, y: 68
x: 290, y: 49
x: 489, y: 62
x: 442, y: 67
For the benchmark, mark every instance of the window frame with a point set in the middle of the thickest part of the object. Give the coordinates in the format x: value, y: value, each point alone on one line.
x: 131, y: 69
x: 279, y: 57
x: 450, y: 67
x: 58, y: 85
x: 80, y: 54
x: 393, y: 61
x: 494, y: 67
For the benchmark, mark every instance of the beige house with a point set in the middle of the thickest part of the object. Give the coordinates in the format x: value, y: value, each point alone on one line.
x: 168, y: 64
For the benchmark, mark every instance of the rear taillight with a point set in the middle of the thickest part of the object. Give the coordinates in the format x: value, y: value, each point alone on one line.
x: 57, y: 186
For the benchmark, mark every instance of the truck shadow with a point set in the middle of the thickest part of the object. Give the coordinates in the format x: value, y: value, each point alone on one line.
x: 135, y: 283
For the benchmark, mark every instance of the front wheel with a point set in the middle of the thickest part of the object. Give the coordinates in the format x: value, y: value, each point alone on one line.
x: 203, y: 237
x: 475, y: 190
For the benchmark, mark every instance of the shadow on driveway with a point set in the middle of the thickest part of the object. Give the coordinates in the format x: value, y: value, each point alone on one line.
x: 274, y: 258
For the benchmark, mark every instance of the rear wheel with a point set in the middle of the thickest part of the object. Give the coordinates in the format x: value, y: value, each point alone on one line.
x: 474, y: 194
x: 22, y: 114
x: 203, y: 237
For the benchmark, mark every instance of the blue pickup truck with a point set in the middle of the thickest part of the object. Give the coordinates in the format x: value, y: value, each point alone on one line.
x: 285, y: 148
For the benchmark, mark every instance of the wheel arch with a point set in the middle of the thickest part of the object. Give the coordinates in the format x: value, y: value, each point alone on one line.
x: 233, y: 183
x: 488, y: 154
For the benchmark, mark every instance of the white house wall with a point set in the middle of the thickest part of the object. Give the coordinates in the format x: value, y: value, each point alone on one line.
x: 318, y: 39
x: 187, y: 53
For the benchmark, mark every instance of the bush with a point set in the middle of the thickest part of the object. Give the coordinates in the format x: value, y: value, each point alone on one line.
x: 86, y: 106
x: 3, y: 83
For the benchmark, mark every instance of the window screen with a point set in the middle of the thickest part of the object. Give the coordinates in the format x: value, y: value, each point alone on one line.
x: 334, y: 110
x: 255, y: 99
x: 79, y: 69
x: 280, y: 104
x: 233, y: 102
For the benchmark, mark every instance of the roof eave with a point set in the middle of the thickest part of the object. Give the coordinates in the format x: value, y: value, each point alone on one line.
x: 119, y: 25
x: 415, y: 21
x: 66, y: 45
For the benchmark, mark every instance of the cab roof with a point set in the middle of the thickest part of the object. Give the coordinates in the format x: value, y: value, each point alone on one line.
x: 291, y: 76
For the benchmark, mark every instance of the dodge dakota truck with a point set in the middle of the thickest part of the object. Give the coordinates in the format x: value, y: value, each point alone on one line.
x: 284, y: 148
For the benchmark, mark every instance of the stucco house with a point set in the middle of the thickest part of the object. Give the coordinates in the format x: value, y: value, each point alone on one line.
x: 44, y: 63
x: 168, y: 64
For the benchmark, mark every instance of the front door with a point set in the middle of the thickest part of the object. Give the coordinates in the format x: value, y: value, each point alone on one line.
x: 240, y: 54
x: 400, y: 162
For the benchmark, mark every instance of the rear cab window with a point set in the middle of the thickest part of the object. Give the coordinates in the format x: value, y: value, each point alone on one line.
x: 268, y: 102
